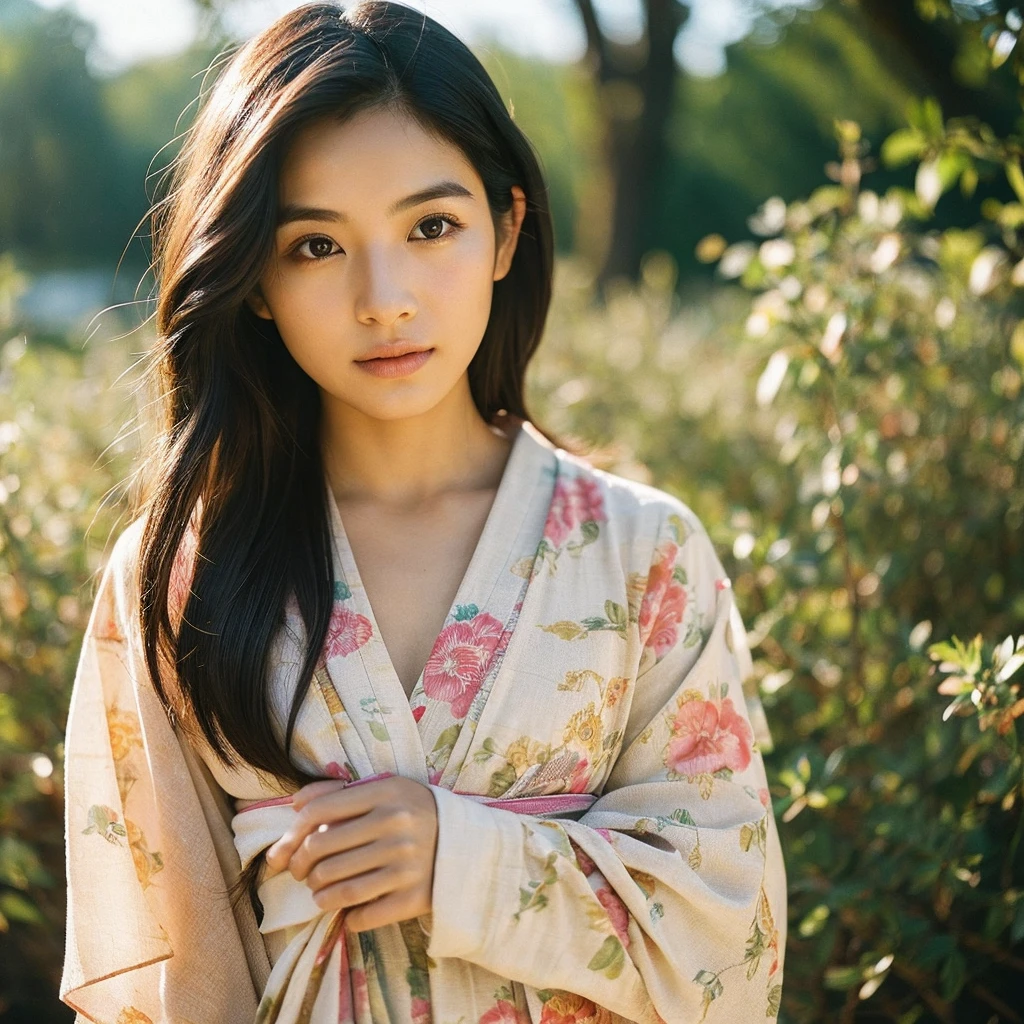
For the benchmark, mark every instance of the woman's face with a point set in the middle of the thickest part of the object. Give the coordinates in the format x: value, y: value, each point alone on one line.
x: 364, y: 259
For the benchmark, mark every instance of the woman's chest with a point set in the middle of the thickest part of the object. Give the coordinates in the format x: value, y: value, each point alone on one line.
x: 410, y: 567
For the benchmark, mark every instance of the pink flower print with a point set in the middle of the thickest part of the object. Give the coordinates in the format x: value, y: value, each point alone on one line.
x: 360, y: 993
x: 417, y: 713
x: 764, y: 796
x: 421, y: 1012
x: 580, y: 777
x: 573, y: 502
x: 346, y: 632
x: 434, y: 776
x: 723, y: 584
x: 707, y: 737
x: 587, y: 866
x: 658, y: 579
x: 460, y: 659
x: 617, y: 912
x: 504, y: 1012
x: 182, y: 573
x: 665, y: 633
x: 604, y: 833
x: 337, y: 771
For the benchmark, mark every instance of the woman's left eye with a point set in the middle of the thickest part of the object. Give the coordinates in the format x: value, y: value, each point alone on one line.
x: 435, y: 223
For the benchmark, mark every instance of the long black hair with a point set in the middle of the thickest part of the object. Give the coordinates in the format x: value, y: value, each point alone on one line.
x: 239, y: 440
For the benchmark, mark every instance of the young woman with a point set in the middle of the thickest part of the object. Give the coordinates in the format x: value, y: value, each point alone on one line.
x: 455, y: 717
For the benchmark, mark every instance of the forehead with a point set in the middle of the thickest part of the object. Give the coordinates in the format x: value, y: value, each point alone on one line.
x: 377, y: 155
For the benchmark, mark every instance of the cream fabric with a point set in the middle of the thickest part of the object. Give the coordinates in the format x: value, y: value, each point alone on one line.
x: 593, y: 647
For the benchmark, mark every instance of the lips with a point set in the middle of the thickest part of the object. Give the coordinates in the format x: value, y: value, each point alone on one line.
x: 392, y: 351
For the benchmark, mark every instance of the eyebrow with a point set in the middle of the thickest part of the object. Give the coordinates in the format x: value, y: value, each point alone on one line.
x: 440, y: 190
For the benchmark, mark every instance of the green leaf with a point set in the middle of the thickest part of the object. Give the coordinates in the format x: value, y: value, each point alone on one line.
x: 903, y: 146
x: 609, y: 959
x: 1015, y: 176
x: 16, y: 907
x: 615, y: 612
x: 565, y: 630
x: 447, y: 738
x: 379, y: 731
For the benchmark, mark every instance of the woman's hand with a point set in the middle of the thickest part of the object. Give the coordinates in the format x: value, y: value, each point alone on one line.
x: 375, y: 852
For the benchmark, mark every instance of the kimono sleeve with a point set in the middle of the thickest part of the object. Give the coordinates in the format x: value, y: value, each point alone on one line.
x: 666, y: 900
x: 151, y: 935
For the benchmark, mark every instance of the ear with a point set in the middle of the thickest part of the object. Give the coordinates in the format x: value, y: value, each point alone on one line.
x: 255, y: 301
x: 508, y: 233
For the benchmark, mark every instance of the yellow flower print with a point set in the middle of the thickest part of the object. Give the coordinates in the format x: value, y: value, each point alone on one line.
x: 584, y: 728
x: 125, y: 735
x: 615, y: 690
x: 130, y: 1015
x: 522, y: 753
x: 147, y: 862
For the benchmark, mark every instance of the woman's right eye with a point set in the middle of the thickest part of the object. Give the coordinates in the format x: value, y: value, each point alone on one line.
x: 314, y: 248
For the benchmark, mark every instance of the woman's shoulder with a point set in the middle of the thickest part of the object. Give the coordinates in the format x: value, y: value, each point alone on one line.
x: 631, y: 506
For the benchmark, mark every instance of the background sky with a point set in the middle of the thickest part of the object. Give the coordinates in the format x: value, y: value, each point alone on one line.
x: 130, y: 30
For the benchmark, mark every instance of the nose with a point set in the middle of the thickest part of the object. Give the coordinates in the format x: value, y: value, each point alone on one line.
x: 383, y: 293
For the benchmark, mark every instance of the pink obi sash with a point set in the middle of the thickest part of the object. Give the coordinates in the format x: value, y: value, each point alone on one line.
x: 297, y: 974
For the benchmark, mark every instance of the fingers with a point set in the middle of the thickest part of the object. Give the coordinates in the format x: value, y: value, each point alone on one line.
x: 350, y: 892
x: 387, y: 909
x: 331, y: 808
x: 321, y: 860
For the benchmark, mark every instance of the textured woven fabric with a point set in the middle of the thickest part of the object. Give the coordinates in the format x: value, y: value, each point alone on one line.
x: 593, y: 652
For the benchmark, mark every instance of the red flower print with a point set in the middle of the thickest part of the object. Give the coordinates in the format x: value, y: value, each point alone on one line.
x: 417, y: 713
x: 670, y: 614
x: 460, y: 659
x: 360, y: 994
x: 707, y: 737
x: 569, y: 1008
x: 182, y: 572
x: 580, y: 777
x: 346, y: 632
x: 664, y: 603
x: 420, y: 1010
x: 587, y: 866
x: 337, y: 771
x: 616, y: 911
x: 574, y: 502
x: 504, y: 1012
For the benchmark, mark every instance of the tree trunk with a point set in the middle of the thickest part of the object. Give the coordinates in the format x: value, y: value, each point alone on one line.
x: 635, y: 86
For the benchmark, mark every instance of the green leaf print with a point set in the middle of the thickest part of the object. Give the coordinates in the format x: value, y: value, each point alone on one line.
x: 565, y: 630
x: 679, y: 575
x: 610, y: 958
x: 465, y: 611
x: 679, y: 528
x: 615, y: 612
x: 712, y: 986
x: 341, y: 591
x: 502, y: 780
x: 379, y: 731
x: 103, y: 819
x: 774, y: 1001
x: 534, y: 897
x: 447, y: 738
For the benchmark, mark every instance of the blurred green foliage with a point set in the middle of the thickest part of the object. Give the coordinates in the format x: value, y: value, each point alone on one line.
x: 844, y: 409
x: 58, y: 414
x: 854, y: 436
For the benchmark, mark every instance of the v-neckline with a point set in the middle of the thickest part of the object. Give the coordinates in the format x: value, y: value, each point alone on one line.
x: 481, y: 553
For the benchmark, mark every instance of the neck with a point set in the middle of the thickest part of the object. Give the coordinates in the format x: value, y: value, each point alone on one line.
x: 408, y: 462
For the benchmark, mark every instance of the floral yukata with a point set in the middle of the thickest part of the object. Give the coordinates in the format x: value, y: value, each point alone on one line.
x: 606, y: 847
